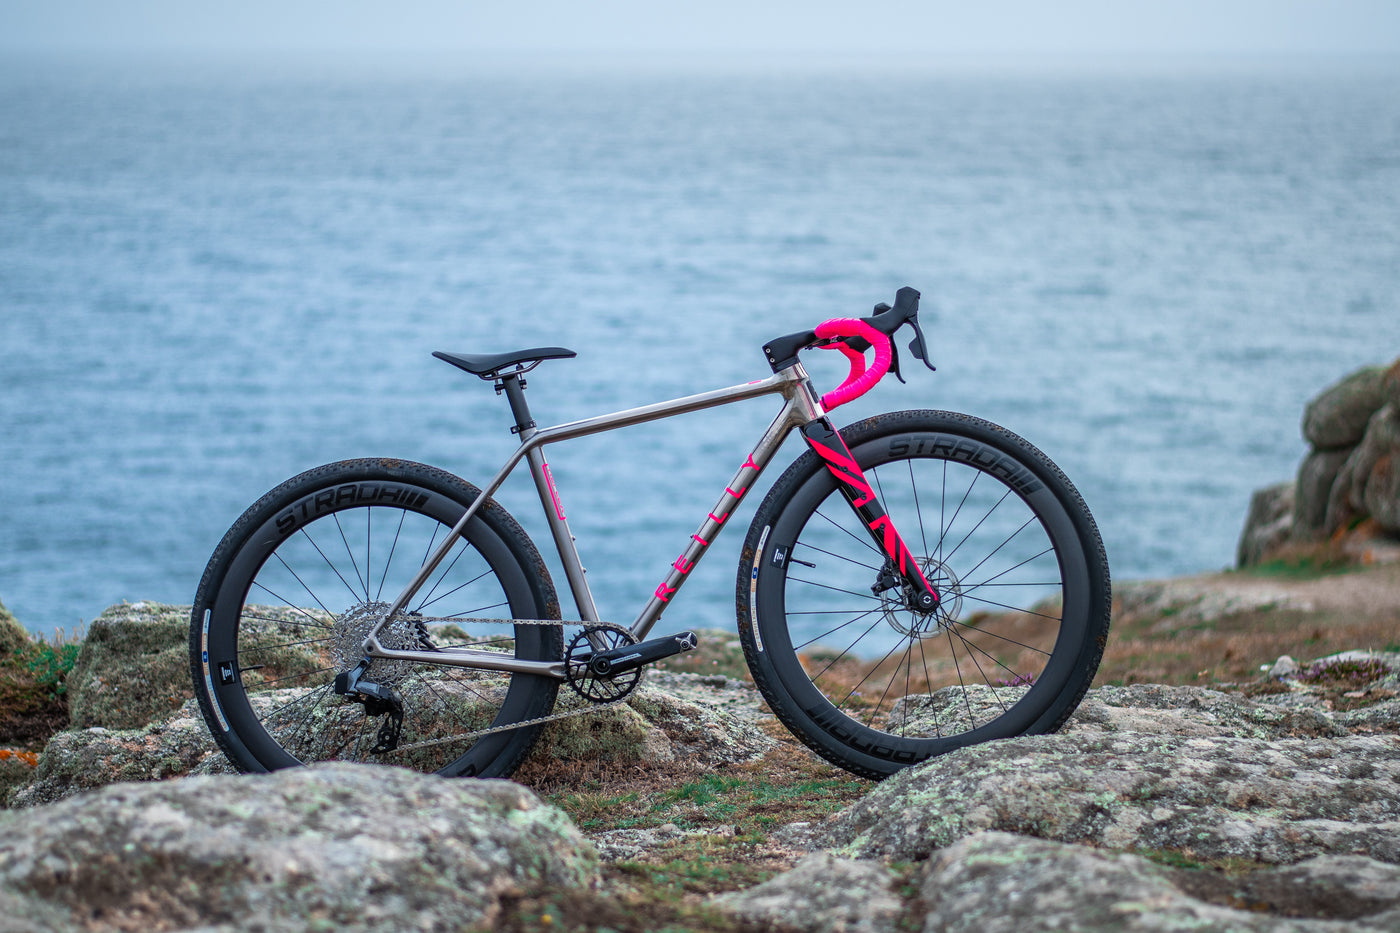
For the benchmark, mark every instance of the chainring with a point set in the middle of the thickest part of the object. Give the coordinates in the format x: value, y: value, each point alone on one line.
x: 587, y: 684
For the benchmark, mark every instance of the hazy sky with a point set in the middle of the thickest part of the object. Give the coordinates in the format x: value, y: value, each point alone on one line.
x: 968, y: 26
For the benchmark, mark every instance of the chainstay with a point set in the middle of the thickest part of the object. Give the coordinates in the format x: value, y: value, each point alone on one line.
x: 524, y: 723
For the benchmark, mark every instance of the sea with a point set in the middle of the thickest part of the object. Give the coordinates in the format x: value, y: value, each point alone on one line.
x: 215, y: 274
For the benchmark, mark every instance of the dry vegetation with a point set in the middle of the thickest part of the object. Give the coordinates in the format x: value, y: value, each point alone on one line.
x: 726, y: 821
x: 1336, y: 608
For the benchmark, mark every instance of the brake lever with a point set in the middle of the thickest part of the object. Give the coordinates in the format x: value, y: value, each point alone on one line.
x: 894, y: 362
x: 917, y: 346
x: 909, y: 299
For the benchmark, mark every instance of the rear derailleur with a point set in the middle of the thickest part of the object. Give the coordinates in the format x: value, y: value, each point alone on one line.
x: 378, y: 700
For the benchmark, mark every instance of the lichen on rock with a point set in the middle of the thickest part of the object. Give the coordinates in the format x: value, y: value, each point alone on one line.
x: 84, y: 759
x: 361, y: 847
x: 1274, y: 801
x: 134, y: 667
x: 823, y: 894
x: 1002, y: 883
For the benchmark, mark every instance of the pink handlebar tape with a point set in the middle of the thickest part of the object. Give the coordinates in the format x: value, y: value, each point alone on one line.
x: 859, y: 380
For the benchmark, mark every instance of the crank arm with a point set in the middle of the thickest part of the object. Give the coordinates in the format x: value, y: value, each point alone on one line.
x: 626, y: 658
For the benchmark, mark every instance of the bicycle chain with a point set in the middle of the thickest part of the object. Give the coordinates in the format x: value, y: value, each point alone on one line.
x: 539, y: 720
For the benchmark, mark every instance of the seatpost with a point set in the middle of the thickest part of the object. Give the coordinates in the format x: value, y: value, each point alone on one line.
x: 514, y: 387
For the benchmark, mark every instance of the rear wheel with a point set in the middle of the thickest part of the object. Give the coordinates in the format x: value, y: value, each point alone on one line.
x: 293, y: 589
x: 835, y: 642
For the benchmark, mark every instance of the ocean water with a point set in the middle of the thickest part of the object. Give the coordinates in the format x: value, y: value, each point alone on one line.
x: 213, y: 276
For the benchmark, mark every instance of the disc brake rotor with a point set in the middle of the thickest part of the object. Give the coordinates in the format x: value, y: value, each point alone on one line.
x: 896, y: 604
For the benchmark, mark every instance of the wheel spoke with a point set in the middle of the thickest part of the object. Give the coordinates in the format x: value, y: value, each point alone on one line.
x: 996, y: 550
x: 363, y: 580
x: 454, y: 590
x: 428, y: 599
x: 848, y: 560
x: 943, y: 532
x: 259, y: 584
x: 1005, y: 638
x: 355, y: 596
x: 978, y: 525
x: 914, y: 487
x: 284, y: 707
x: 833, y: 588
x: 393, y: 547
x: 834, y: 630
x: 289, y: 644
x: 848, y: 533
x: 979, y: 599
x: 847, y: 651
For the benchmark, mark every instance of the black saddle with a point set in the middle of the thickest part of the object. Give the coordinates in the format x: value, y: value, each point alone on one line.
x: 490, y: 365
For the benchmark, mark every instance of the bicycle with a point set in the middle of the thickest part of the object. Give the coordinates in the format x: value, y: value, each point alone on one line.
x: 385, y: 610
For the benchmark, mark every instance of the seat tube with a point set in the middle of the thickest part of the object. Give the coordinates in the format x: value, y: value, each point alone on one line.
x: 514, y: 388
x: 559, y: 527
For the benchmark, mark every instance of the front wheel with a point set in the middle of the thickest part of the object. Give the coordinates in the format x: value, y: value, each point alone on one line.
x: 834, y: 640
x: 295, y: 586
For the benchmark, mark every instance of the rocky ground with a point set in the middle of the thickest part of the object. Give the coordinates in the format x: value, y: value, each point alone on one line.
x: 1249, y: 791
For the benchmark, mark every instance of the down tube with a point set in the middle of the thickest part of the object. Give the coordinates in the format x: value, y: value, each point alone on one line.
x: 714, y: 523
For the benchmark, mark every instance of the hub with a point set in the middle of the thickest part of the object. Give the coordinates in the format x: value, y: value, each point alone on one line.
x: 915, y: 613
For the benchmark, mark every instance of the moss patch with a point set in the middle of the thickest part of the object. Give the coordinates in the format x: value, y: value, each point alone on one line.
x: 34, y: 677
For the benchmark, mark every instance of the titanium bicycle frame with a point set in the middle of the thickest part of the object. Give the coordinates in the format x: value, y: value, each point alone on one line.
x: 801, y: 409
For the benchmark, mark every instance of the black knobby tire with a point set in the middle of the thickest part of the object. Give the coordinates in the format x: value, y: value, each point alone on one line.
x: 293, y: 587
x: 869, y: 683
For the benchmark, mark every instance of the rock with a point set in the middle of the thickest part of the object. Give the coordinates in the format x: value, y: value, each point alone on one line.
x: 713, y: 724
x: 616, y: 733
x: 822, y: 894
x: 352, y: 847
x: 1344, y: 886
x: 13, y: 636
x: 1378, y: 458
x: 1001, y: 883
x: 621, y: 845
x: 1268, y: 525
x: 1337, y: 417
x: 1369, y: 481
x: 950, y: 710
x: 1285, y: 666
x: 16, y: 770
x: 1274, y: 801
x: 1154, y: 709
x: 85, y: 759
x: 1390, y: 385
x: 710, y: 721
x: 134, y: 667
x: 1184, y: 603
x: 1378, y: 717
x: 1316, y: 477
